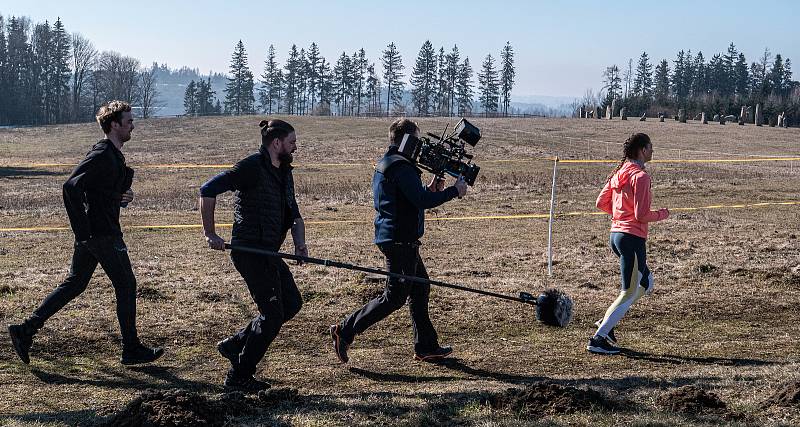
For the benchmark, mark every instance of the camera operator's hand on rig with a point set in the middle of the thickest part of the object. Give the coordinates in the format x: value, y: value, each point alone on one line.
x: 437, y: 184
x: 461, y: 186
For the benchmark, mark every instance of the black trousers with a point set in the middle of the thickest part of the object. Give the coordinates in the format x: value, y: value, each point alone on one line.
x: 403, y: 259
x: 278, y: 300
x: 112, y: 254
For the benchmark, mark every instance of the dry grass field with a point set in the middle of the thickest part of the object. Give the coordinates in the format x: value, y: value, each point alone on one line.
x: 724, y: 317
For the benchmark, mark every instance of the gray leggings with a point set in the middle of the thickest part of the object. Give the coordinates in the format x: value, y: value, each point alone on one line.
x: 636, y: 280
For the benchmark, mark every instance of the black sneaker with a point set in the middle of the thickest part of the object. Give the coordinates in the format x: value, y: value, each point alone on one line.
x: 600, y: 345
x: 434, y: 355
x: 340, y: 346
x: 22, y: 340
x: 245, y: 384
x: 229, y: 350
x: 611, y: 337
x: 140, y: 354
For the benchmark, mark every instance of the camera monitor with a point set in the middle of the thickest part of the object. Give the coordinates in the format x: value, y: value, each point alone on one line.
x: 467, y: 132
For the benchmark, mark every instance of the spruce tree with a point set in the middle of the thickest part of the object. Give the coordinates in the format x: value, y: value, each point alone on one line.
x: 190, y: 99
x: 61, y: 72
x: 423, y: 80
x: 313, y: 57
x: 464, y: 93
x: 643, y: 82
x: 373, y: 90
x: 290, y: 80
x: 741, y: 76
x: 441, y: 88
x: 359, y: 65
x: 40, y: 94
x: 679, y: 78
x: 488, y: 86
x: 777, y: 76
x: 325, y: 84
x: 4, y: 95
x: 452, y: 60
x: 302, y: 82
x: 18, y: 66
x: 661, y: 84
x: 239, y: 97
x: 205, y: 98
x: 612, y: 84
x: 700, y: 82
x: 507, y: 74
x: 717, y: 75
x: 268, y: 92
x: 341, y: 83
x: 392, y: 75
x: 728, y: 85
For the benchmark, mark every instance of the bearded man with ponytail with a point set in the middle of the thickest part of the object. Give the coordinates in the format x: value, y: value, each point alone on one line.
x: 265, y: 209
x: 626, y: 196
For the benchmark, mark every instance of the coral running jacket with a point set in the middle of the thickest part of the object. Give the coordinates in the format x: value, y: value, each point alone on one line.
x: 626, y: 197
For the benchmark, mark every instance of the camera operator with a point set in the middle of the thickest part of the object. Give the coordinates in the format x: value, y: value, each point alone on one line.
x: 265, y: 209
x: 400, y: 201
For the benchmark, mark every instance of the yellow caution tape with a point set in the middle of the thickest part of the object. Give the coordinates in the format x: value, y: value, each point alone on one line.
x: 351, y: 165
x: 434, y: 219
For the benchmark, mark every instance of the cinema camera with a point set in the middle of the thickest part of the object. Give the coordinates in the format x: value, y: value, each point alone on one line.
x: 445, y: 154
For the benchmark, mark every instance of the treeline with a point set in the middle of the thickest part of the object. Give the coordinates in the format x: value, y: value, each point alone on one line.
x: 721, y: 85
x: 49, y: 76
x: 441, y: 84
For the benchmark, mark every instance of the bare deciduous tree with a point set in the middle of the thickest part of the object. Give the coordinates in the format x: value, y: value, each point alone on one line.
x: 84, y: 56
x: 118, y: 77
x: 148, y: 93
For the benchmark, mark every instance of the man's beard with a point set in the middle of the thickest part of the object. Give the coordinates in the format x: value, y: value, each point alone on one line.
x: 285, y: 158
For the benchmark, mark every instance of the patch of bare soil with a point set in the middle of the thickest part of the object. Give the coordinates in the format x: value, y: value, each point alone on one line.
x: 691, y: 399
x: 549, y: 398
x: 171, y: 408
x: 176, y: 408
x: 787, y: 395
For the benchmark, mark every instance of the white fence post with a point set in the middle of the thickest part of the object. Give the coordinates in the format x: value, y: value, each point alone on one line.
x: 550, y: 222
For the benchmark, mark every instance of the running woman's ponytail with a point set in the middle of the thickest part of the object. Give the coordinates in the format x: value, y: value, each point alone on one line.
x: 630, y: 149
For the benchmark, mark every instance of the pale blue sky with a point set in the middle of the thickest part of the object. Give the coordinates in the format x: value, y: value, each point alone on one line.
x: 561, y: 47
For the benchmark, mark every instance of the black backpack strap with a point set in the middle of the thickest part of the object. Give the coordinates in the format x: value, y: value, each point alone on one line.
x: 387, y: 161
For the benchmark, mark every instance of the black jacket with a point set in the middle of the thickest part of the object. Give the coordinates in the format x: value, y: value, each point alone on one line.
x: 400, y: 200
x: 93, y: 192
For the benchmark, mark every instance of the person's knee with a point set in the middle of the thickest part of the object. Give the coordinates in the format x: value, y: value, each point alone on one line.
x: 394, y: 300
x: 74, y: 285
x: 291, y: 308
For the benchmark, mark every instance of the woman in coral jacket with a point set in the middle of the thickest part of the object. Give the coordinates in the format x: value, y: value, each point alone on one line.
x: 626, y: 197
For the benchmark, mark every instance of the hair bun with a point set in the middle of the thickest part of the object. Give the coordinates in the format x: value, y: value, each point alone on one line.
x: 263, y: 123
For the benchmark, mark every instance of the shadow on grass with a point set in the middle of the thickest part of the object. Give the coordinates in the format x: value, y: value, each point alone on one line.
x: 161, y: 378
x: 679, y: 360
x: 622, y: 384
x: 62, y: 417
x: 14, y: 172
x: 401, y: 378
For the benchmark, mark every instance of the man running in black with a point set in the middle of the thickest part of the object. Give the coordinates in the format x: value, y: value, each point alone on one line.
x: 265, y: 209
x: 400, y: 201
x: 93, y: 195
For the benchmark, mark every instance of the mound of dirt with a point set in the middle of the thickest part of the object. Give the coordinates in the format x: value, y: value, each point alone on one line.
x: 550, y: 399
x: 787, y: 395
x: 691, y: 399
x: 176, y: 408
x: 169, y: 408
